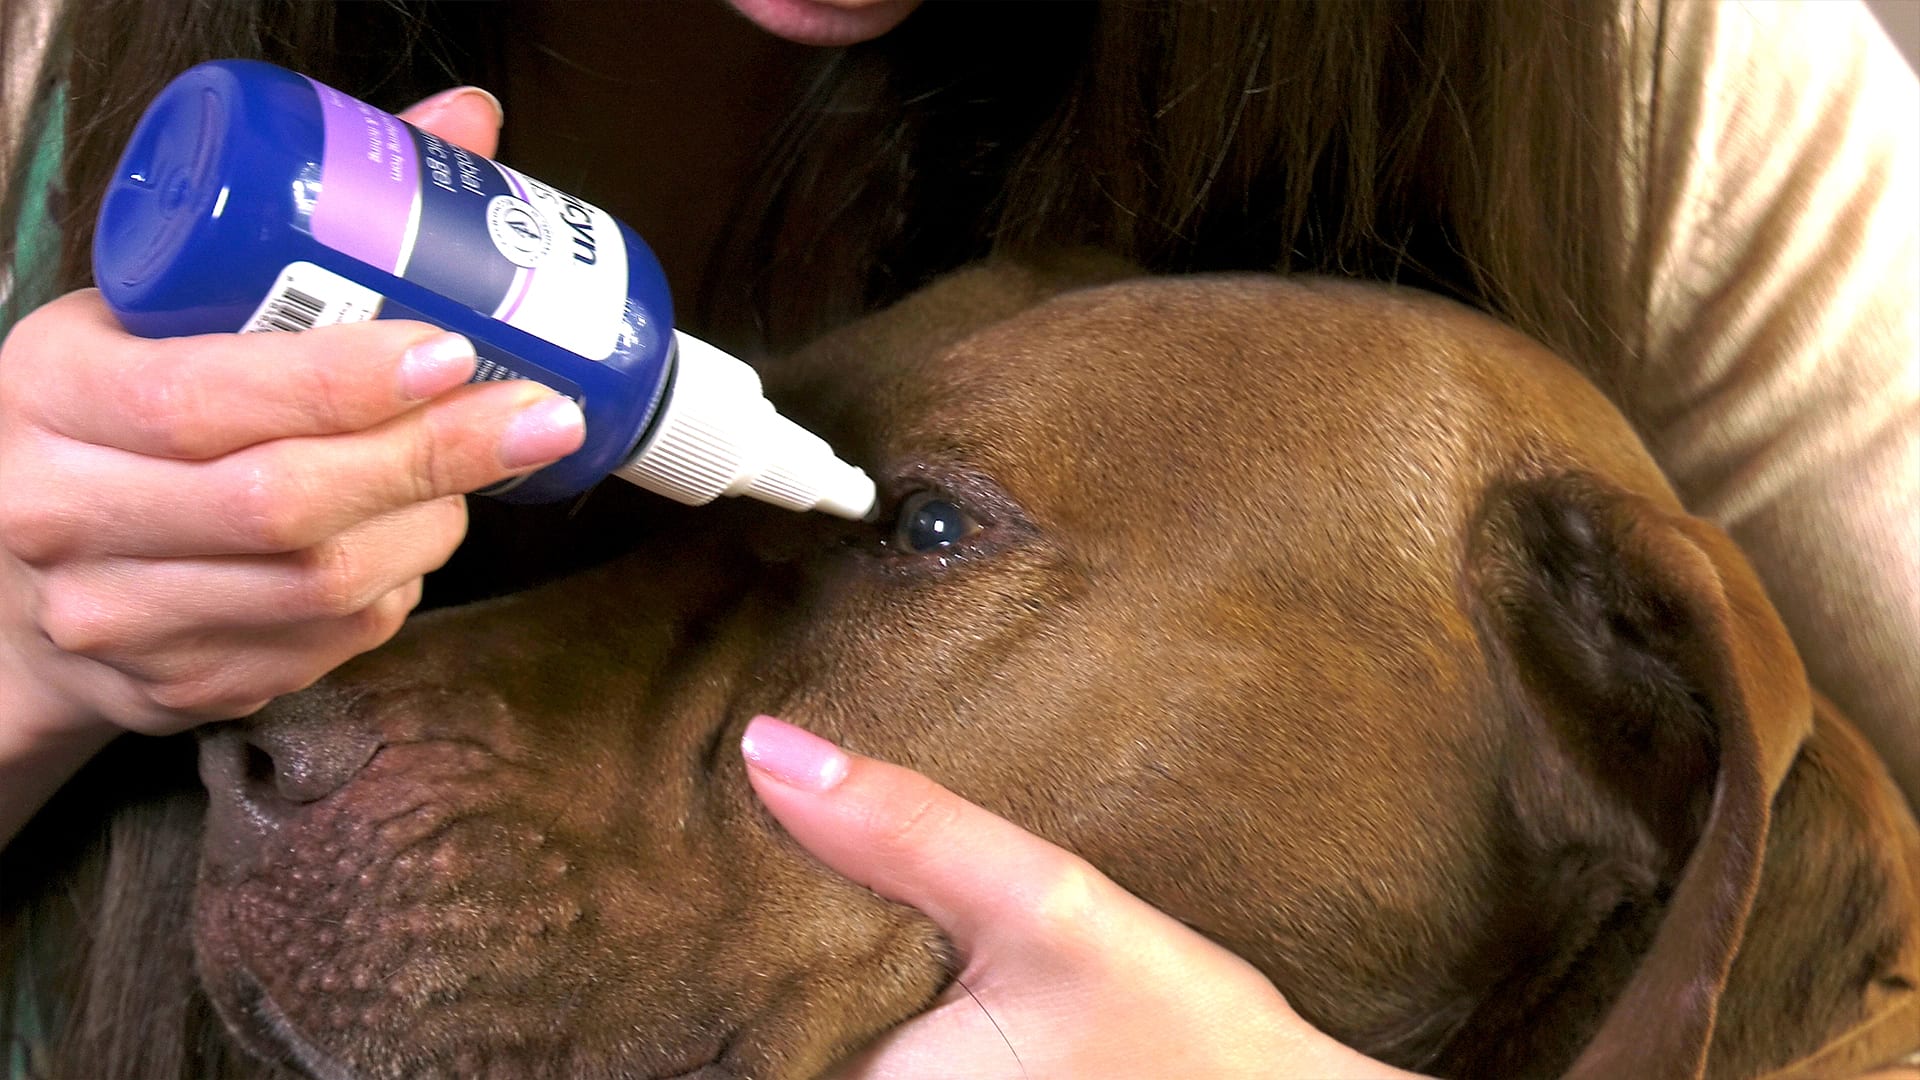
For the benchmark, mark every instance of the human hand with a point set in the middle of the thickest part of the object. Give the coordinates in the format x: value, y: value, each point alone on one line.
x: 1063, y: 973
x: 191, y: 527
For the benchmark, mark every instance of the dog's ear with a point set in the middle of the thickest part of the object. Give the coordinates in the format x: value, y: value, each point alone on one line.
x: 1663, y: 704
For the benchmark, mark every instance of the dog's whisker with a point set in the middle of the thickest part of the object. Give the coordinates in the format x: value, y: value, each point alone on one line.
x: 996, y: 1024
x: 291, y: 918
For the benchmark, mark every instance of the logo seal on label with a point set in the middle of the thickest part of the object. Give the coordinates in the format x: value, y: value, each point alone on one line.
x: 517, y: 230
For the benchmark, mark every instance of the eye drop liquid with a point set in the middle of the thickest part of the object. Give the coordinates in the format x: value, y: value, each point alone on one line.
x: 251, y: 198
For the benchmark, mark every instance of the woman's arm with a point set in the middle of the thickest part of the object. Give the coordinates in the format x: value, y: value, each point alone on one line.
x: 42, y: 742
x: 1782, y: 381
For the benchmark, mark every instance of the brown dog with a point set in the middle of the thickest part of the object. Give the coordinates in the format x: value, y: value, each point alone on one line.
x: 1341, y: 623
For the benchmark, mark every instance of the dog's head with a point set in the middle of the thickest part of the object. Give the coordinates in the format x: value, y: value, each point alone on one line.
x: 1339, y: 622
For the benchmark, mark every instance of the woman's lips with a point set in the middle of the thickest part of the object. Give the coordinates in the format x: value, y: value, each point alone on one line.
x: 826, y: 22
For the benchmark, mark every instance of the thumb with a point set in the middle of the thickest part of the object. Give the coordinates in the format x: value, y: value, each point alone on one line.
x: 907, y: 838
x: 1096, y: 980
x: 465, y: 116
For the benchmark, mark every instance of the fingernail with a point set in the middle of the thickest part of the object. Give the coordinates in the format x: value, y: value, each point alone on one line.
x: 547, y: 430
x: 435, y: 365
x: 431, y: 108
x: 793, y: 756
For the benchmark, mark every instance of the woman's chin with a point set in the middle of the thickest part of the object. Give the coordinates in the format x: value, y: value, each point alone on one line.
x: 826, y: 22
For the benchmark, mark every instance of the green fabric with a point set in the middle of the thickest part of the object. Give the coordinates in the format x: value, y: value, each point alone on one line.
x: 37, y: 252
x: 30, y: 283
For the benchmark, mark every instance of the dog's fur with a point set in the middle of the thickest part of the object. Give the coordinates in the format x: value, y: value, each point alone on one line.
x: 1339, y: 622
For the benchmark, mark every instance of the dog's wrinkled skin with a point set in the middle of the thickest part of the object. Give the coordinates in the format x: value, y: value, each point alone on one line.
x: 1338, y: 622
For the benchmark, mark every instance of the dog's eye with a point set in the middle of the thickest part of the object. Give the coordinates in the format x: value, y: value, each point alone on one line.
x: 929, y: 522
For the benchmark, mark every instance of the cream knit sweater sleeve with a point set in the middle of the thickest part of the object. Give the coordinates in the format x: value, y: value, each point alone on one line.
x: 1776, y: 142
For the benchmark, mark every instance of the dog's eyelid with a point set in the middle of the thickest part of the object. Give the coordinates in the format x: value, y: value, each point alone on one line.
x: 992, y: 518
x: 964, y: 487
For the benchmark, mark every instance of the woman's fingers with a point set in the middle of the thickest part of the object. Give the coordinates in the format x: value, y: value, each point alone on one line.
x: 909, y: 839
x: 204, y: 396
x: 1063, y: 972
x: 221, y: 674
x: 466, y: 116
x: 196, y: 398
x: 189, y: 527
x: 961, y: 1035
x: 116, y: 609
x: 71, y: 499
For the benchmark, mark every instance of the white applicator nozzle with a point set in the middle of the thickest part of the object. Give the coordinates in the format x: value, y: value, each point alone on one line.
x: 717, y: 434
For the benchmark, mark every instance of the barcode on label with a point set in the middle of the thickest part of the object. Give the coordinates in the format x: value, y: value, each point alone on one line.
x: 291, y: 310
x: 305, y: 296
x: 493, y: 371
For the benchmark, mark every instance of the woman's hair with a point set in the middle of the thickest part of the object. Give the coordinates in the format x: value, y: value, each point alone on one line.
x: 119, y: 53
x: 1474, y: 149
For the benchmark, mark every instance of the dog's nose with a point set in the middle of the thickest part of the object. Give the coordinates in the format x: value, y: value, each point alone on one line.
x: 297, y: 750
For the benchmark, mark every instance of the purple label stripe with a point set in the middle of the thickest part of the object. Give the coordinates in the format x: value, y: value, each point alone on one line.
x: 517, y: 294
x: 513, y: 182
x: 411, y: 236
x: 369, y: 183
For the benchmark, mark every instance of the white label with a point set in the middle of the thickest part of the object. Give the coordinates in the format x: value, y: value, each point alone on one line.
x: 571, y: 285
x: 516, y: 231
x: 305, y: 296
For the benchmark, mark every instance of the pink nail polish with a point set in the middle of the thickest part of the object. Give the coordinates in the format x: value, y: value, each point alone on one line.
x: 547, y: 430
x: 435, y: 366
x: 431, y: 109
x: 793, y: 756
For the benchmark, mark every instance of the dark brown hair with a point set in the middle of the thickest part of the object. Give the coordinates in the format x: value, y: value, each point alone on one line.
x: 1472, y: 149
x: 1475, y: 149
x: 119, y: 53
